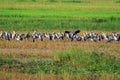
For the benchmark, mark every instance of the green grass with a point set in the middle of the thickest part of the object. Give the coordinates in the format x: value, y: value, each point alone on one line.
x: 24, y: 15
x: 45, y: 0
x: 30, y: 15
x: 31, y: 24
x: 50, y: 0
x: 69, y: 61
x: 46, y: 13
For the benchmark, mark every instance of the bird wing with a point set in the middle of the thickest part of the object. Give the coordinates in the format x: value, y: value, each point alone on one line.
x: 77, y: 31
x: 67, y: 31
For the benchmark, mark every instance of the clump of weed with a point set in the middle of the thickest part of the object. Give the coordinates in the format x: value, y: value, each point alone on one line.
x: 117, y: 1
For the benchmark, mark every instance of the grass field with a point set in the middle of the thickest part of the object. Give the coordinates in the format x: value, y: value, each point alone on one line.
x: 64, y: 60
x: 28, y: 24
x: 59, y: 60
x: 15, y: 15
x: 46, y: 13
x: 69, y: 64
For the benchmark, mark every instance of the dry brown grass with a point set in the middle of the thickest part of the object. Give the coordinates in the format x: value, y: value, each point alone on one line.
x: 47, y: 47
x: 42, y: 76
x: 72, y: 6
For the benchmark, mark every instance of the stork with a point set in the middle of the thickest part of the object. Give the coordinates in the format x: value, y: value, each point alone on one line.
x: 41, y: 35
x: 60, y: 35
x: 49, y: 36
x: 14, y: 35
x: 20, y: 37
x: 72, y: 33
x: 35, y: 35
x: 27, y: 35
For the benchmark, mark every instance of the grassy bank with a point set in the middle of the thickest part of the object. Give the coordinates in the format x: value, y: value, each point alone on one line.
x: 68, y: 64
x: 71, y: 62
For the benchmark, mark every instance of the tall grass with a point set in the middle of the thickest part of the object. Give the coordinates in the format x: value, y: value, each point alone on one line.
x: 117, y: 1
x: 72, y: 62
x: 31, y: 24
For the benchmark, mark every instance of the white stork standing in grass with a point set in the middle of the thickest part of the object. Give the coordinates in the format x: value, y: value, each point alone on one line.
x: 20, y: 37
x: 27, y: 36
x: 107, y: 37
x: 100, y: 37
x: 49, y: 36
x: 77, y: 38
x: 3, y: 35
x: 54, y: 36
x: 60, y: 35
x: 83, y: 38
x: 87, y: 35
x: 116, y: 36
x: 93, y: 37
x: 41, y: 35
x: 14, y: 35
x: 8, y: 35
x: 35, y: 36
